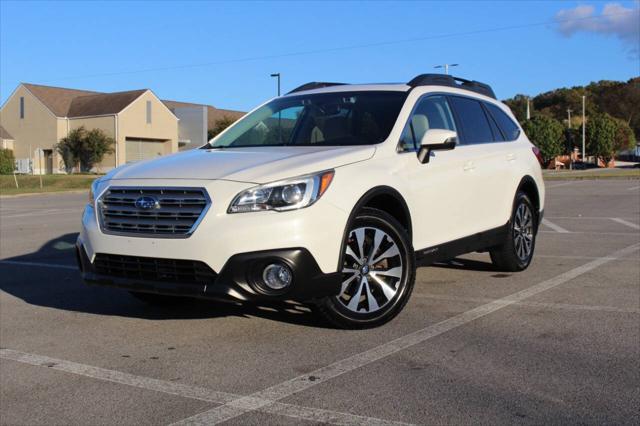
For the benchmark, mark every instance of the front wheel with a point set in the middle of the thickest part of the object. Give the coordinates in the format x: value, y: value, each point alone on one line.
x: 516, y: 252
x: 378, y: 273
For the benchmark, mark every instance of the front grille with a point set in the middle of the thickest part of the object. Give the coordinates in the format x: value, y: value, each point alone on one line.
x: 176, y: 211
x: 152, y: 269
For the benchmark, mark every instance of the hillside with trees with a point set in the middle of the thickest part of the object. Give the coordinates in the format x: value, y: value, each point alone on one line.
x: 612, y: 110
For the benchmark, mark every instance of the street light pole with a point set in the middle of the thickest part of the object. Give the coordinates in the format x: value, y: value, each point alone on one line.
x: 584, y: 122
x: 446, y: 67
x: 277, y: 74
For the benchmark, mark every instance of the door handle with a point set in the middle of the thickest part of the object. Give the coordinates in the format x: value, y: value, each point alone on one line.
x: 511, y: 157
x: 468, y: 166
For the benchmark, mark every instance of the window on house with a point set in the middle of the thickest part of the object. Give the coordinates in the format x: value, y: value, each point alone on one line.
x: 21, y: 107
x: 148, y: 112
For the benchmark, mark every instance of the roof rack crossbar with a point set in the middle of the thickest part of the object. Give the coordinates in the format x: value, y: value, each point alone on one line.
x: 451, y: 81
x: 314, y: 85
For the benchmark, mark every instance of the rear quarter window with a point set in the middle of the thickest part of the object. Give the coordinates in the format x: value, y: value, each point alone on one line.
x: 509, y: 129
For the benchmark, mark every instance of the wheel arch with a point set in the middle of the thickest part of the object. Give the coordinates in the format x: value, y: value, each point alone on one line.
x: 528, y: 186
x: 383, y: 198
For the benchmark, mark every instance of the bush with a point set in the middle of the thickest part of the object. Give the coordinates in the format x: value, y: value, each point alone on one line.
x: 7, y: 162
x: 83, y: 150
x: 547, y: 134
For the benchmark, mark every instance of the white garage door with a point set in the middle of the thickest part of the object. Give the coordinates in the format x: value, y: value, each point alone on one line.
x: 138, y: 150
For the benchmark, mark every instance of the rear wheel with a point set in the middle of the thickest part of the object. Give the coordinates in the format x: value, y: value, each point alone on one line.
x: 378, y: 273
x: 516, y: 252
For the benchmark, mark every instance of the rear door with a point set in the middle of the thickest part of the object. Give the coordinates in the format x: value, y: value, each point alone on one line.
x: 487, y: 165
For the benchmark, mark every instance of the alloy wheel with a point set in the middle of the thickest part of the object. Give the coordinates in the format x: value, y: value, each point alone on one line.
x: 523, y: 231
x: 372, y: 270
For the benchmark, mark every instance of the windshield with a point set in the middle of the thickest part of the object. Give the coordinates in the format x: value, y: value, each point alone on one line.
x: 329, y: 119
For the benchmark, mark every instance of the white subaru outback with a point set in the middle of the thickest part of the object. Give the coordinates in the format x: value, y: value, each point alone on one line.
x: 329, y: 195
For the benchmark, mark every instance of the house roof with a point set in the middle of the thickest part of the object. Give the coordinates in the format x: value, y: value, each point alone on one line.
x: 213, y: 114
x: 103, y: 103
x: 4, y: 134
x: 65, y: 102
x: 57, y: 99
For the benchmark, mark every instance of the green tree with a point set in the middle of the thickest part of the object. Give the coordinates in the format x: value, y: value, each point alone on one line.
x: 601, y: 136
x: 547, y: 134
x: 219, y: 126
x: 96, y: 145
x: 7, y: 162
x: 84, y: 149
x: 625, y: 139
x: 70, y: 148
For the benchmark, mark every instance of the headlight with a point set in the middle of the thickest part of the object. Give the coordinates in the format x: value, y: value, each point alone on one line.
x: 283, y: 195
x: 93, y: 190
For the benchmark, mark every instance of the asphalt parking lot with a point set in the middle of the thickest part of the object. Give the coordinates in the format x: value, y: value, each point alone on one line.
x: 558, y: 343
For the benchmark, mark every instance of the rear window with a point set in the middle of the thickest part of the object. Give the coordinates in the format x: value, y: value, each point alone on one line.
x: 509, y: 129
x: 472, y: 121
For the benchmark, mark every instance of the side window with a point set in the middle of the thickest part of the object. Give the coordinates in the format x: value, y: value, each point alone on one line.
x: 510, y: 130
x: 497, y: 134
x: 473, y: 121
x: 148, y: 112
x: 432, y: 112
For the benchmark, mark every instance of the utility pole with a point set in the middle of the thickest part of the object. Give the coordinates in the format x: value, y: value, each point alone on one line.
x: 277, y: 74
x: 569, y: 138
x: 528, y: 110
x: 584, y: 123
x: 446, y: 67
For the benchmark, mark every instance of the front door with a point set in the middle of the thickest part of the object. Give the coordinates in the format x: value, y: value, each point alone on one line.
x: 441, y: 188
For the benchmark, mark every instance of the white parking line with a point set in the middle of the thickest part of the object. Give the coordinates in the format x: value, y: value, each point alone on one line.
x: 591, y: 233
x: 566, y: 306
x: 633, y: 188
x: 39, y: 264
x: 192, y: 392
x: 625, y: 222
x: 555, y: 227
x: 256, y: 400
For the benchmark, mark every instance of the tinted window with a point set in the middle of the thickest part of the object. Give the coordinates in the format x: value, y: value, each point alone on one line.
x: 497, y: 134
x: 432, y: 112
x: 475, y: 127
x: 330, y: 119
x: 506, y: 124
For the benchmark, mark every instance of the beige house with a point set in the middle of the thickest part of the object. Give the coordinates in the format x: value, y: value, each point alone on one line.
x: 6, y: 140
x: 36, y: 117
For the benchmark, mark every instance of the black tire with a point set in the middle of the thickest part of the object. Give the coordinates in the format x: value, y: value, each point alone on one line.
x: 516, y: 252
x: 154, y: 299
x: 382, y: 294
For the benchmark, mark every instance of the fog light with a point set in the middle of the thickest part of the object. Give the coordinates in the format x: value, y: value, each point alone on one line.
x: 277, y: 276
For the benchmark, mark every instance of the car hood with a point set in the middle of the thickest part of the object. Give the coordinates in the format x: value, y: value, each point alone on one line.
x: 252, y: 165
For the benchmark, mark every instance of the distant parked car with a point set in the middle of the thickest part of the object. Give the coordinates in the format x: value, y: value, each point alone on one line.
x: 327, y: 196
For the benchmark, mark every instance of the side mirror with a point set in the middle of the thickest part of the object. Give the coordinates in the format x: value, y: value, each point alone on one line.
x: 436, y: 140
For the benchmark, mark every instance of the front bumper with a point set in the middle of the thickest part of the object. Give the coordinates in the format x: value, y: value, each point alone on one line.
x: 239, y: 279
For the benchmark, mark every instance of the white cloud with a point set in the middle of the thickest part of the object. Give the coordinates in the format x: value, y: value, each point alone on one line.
x: 614, y: 20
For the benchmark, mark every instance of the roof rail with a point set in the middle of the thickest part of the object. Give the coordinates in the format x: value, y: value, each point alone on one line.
x: 314, y: 85
x: 450, y: 81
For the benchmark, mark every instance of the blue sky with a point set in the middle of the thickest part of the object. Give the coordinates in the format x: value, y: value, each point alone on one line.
x: 163, y: 45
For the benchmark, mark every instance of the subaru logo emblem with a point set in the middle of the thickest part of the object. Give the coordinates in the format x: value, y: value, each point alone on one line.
x: 147, y: 203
